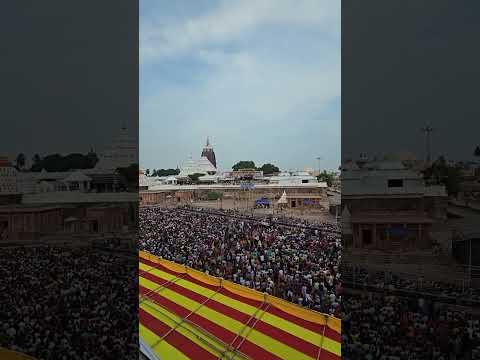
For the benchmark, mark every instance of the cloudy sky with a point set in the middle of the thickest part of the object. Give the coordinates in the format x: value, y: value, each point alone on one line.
x: 261, y: 78
x: 68, y: 81
x: 406, y: 64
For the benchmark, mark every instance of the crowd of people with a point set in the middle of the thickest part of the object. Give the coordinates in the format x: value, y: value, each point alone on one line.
x: 278, y: 217
x: 61, y: 303
x: 300, y: 261
x: 402, y: 317
x: 280, y: 256
x: 386, y: 327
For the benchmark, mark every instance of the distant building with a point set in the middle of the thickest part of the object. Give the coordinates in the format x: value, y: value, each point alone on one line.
x: 80, y: 181
x: 316, y: 192
x: 19, y: 222
x: 243, y: 174
x: 300, y: 177
x: 29, y: 221
x: 304, y: 201
x: 388, y: 206
x: 8, y: 177
x: 142, y: 180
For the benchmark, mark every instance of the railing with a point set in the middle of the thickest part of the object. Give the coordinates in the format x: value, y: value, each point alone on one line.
x: 453, y: 300
x: 361, y: 278
x: 252, y: 218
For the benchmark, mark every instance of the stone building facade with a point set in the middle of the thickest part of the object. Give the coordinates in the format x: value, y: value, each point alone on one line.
x: 386, y: 206
x: 171, y: 194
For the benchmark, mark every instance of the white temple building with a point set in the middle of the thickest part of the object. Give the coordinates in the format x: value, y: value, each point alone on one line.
x: 206, y: 165
x: 201, y: 166
x: 299, y: 177
x: 120, y: 154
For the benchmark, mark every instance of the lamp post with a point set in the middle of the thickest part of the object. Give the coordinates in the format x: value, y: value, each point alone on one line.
x: 319, y: 169
x: 427, y: 130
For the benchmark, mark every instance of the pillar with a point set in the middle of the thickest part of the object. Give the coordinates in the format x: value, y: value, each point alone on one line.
x: 388, y: 245
x: 360, y: 236
x: 420, y: 233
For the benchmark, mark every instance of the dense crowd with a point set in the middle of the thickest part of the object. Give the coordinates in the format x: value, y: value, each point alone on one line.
x: 68, y: 303
x: 407, y: 318
x: 299, y: 261
x: 386, y: 327
x: 282, y: 257
x: 278, y: 218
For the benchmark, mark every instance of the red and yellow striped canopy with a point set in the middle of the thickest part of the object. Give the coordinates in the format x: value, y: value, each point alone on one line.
x: 186, y: 314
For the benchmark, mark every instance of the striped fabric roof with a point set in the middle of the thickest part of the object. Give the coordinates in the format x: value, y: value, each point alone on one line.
x: 186, y: 314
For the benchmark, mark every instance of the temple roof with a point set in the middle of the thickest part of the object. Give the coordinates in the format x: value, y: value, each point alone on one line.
x: 77, y: 176
x: 201, y: 166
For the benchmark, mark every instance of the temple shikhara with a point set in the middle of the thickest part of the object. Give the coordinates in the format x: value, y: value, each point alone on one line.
x: 122, y: 152
x: 206, y: 165
x: 209, y: 153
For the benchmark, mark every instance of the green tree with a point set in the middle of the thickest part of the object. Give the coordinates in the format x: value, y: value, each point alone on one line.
x: 269, y: 169
x: 165, y: 172
x: 440, y: 172
x: 130, y: 174
x: 476, y: 153
x: 91, y: 160
x: 57, y: 162
x: 327, y: 177
x: 36, y: 159
x: 453, y: 180
x: 147, y: 172
x: 170, y: 172
x: 244, y: 165
x: 20, y: 161
x: 194, y: 177
x: 36, y: 163
x: 212, y: 195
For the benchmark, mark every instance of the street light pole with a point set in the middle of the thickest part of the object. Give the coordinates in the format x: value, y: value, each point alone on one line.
x: 427, y: 130
x: 319, y: 169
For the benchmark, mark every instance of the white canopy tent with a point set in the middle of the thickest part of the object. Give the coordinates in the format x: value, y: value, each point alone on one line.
x: 283, y: 199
